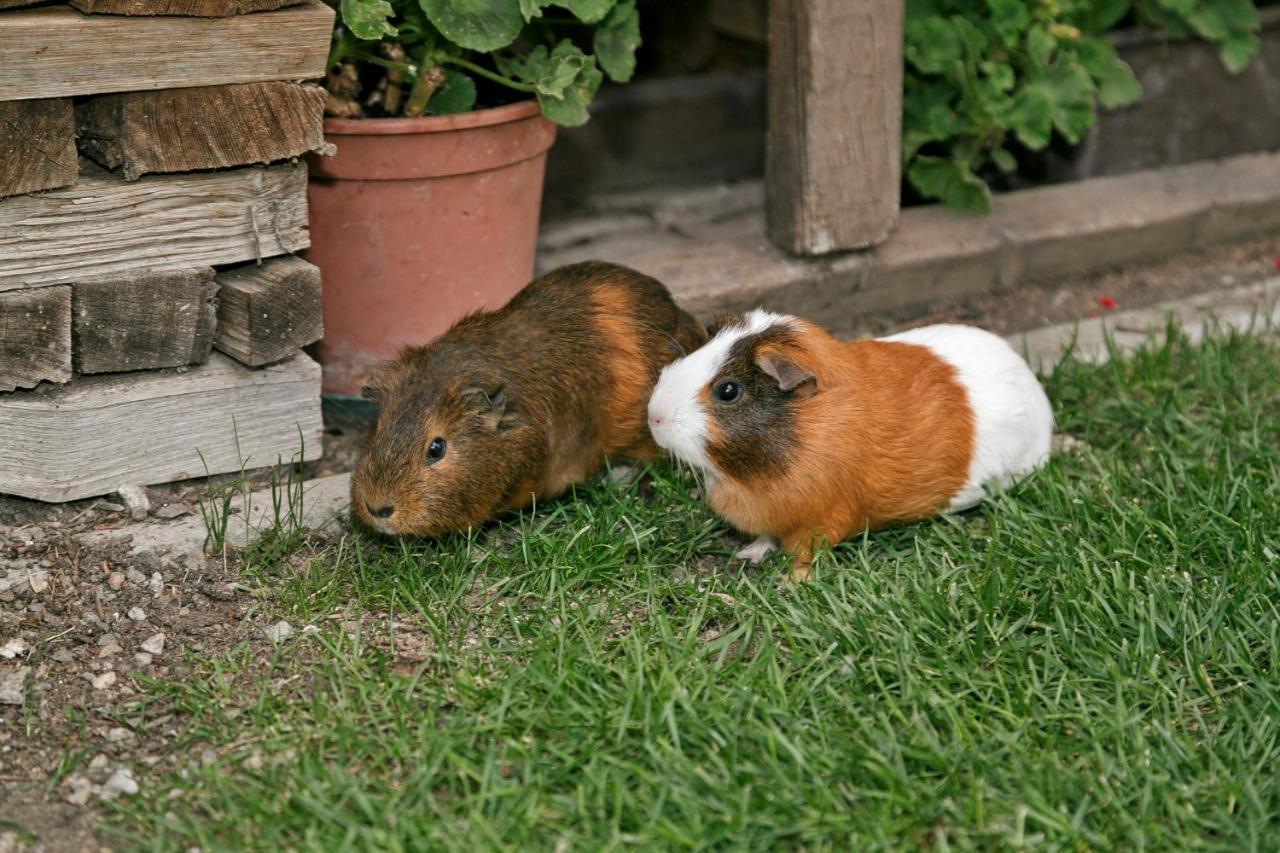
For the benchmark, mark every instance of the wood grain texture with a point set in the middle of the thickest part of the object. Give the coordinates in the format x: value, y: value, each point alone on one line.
x: 197, y: 8
x: 143, y: 320
x: 37, y: 145
x: 56, y: 51
x: 833, y: 164
x: 89, y: 436
x: 267, y: 312
x: 35, y: 337
x: 104, y: 226
x: 207, y: 127
x: 15, y: 4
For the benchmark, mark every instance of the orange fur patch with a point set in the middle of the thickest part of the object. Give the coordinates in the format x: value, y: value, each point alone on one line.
x: 887, y: 437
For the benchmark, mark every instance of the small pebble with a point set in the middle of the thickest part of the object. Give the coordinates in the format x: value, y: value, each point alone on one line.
x: 78, y: 790
x: 171, y: 511
x: 135, y: 498
x: 13, y: 648
x: 137, y: 614
x: 121, y: 782
x: 278, y: 632
x: 119, y: 734
x: 11, y: 683
x: 111, y: 648
x: 63, y: 656
x: 142, y: 659
x: 110, y: 507
x: 135, y: 576
x: 154, y: 644
x: 99, y: 761
x: 208, y: 757
x: 156, y: 583
x: 115, y: 580
x: 104, y: 680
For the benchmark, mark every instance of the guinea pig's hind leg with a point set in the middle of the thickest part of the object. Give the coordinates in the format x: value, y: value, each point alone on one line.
x: 757, y: 550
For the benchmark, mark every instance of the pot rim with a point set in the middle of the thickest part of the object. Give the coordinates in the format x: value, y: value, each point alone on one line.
x: 432, y: 124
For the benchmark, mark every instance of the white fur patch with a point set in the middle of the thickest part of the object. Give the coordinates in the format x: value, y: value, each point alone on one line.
x: 677, y: 418
x: 1013, y: 422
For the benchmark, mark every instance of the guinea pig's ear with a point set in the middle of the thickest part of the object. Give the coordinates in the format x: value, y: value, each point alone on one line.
x: 490, y: 400
x: 789, y: 375
x: 370, y: 392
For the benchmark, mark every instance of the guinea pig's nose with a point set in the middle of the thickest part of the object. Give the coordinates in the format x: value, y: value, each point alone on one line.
x: 380, y: 511
x: 655, y: 419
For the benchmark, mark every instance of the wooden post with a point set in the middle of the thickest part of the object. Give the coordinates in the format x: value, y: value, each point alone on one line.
x: 833, y: 164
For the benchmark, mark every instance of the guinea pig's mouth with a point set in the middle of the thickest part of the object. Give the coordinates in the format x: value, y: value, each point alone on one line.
x: 682, y: 439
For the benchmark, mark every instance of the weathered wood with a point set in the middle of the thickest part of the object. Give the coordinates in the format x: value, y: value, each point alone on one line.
x: 104, y: 226
x: 197, y: 8
x: 35, y: 337
x: 833, y: 164
x: 207, y: 127
x: 144, y: 320
x: 87, y: 437
x: 56, y: 51
x: 37, y: 145
x: 267, y: 312
x: 14, y: 4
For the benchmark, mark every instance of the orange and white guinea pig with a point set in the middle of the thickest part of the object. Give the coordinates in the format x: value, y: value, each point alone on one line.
x: 808, y: 440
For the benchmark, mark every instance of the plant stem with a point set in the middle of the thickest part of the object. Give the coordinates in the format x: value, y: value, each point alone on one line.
x: 485, y: 72
x: 429, y: 80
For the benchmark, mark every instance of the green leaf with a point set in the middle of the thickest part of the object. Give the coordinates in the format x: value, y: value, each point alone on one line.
x: 616, y: 40
x: 368, y: 19
x: 1117, y: 85
x: 531, y: 9
x: 1031, y: 118
x: 1004, y: 161
x: 1072, y: 93
x: 933, y: 45
x: 564, y: 80
x: 482, y: 25
x: 1100, y: 16
x: 1009, y: 18
x: 587, y: 11
x: 570, y: 108
x: 1238, y: 50
x: 951, y: 181
x: 456, y: 95
x: 1040, y: 45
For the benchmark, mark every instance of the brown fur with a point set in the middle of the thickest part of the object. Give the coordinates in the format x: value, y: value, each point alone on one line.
x: 530, y: 399
x: 884, y: 434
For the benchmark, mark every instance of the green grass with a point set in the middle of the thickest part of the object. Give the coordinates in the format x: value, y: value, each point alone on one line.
x: 1088, y: 662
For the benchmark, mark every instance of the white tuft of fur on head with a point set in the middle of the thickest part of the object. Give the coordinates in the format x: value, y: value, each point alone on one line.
x: 677, y: 417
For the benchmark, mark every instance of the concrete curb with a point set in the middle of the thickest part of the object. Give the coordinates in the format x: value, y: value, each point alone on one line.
x: 713, y: 255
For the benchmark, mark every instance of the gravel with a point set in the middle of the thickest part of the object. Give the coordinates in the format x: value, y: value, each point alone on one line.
x: 153, y: 645
x: 278, y: 632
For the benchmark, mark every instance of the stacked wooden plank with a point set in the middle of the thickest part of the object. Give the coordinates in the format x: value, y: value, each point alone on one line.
x: 152, y: 310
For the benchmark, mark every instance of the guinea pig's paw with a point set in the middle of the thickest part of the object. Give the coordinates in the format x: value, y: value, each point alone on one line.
x: 623, y: 474
x: 757, y: 550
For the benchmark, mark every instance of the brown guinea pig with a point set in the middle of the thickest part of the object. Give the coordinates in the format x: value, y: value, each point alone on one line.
x: 811, y: 440
x: 518, y: 403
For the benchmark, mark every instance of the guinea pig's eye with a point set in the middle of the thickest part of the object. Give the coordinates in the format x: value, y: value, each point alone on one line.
x: 728, y: 391
x: 435, y: 450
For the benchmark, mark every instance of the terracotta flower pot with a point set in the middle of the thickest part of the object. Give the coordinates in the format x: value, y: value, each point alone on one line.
x: 415, y: 222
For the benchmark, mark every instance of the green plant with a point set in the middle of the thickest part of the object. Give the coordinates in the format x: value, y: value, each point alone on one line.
x: 982, y: 74
x: 415, y: 57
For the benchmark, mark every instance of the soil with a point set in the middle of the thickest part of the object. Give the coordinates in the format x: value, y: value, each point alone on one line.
x: 76, y: 619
